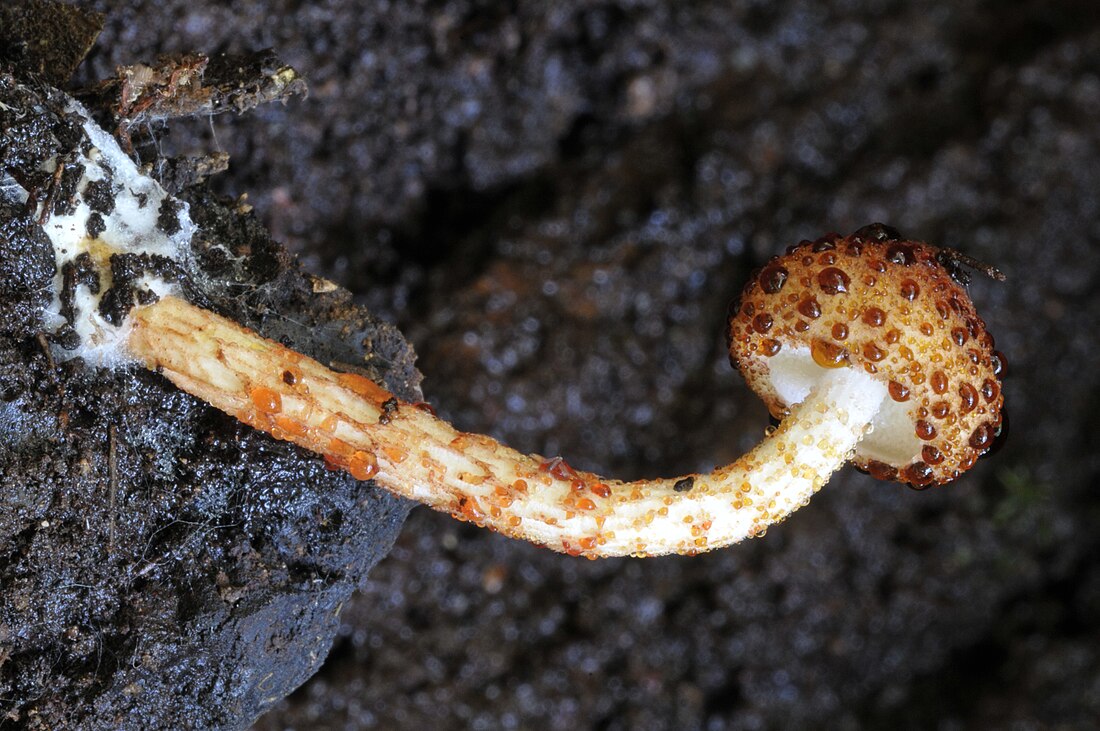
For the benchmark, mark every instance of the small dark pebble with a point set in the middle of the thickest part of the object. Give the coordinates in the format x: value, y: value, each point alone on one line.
x: 684, y: 484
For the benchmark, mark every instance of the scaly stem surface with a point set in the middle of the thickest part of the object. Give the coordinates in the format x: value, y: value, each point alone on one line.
x: 361, y: 427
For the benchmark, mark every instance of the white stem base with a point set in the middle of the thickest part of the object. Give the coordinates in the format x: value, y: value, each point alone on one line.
x: 361, y: 427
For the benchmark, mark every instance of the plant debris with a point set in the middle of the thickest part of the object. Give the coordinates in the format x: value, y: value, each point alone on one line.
x: 192, y: 84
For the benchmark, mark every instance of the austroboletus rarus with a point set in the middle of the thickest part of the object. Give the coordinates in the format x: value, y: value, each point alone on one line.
x: 866, y: 347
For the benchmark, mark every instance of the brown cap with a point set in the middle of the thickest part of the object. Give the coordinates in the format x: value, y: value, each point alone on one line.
x: 891, y: 307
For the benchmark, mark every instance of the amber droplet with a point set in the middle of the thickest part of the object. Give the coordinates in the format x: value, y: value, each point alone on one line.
x: 874, y: 316
x: 586, y: 504
x: 910, y: 290
x: 999, y: 363
x: 903, y: 254
x: 365, y: 387
x: 362, y: 465
x: 601, y: 490
x: 840, y: 331
x: 931, y: 455
x: 881, y: 470
x: 926, y: 329
x: 893, y: 336
x: 266, y: 400
x: 825, y: 243
x: 770, y: 346
x: 918, y: 475
x: 828, y: 355
x: 939, y: 382
x: 990, y: 390
x: 290, y: 377
x: 982, y: 437
x: 833, y: 280
x: 762, y: 322
x: 940, y: 409
x: 959, y: 336
x: 829, y: 257
x: 897, y: 391
x: 772, y: 278
x: 801, y: 326
x: 810, y: 308
x: 925, y: 430
x: 873, y: 353
x: 969, y: 398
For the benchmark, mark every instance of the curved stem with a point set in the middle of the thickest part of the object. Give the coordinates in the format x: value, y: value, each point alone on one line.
x: 364, y: 429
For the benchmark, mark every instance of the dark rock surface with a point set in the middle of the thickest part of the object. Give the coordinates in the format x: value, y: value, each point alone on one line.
x: 555, y: 202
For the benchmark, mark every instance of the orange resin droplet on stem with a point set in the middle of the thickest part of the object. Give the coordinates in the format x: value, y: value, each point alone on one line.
x: 362, y: 465
x: 365, y: 387
x: 266, y: 400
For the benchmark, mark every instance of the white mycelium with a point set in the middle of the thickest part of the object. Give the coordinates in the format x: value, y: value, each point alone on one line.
x: 133, y: 224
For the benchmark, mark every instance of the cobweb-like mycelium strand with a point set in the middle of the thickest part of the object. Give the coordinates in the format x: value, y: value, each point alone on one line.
x: 364, y: 429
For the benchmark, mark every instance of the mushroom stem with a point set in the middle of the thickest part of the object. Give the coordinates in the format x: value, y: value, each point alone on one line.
x: 361, y: 427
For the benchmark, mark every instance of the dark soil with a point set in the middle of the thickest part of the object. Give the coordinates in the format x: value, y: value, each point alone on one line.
x: 161, y: 565
x: 554, y: 202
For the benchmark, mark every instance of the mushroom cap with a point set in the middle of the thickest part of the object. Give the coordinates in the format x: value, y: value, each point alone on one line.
x: 891, y: 306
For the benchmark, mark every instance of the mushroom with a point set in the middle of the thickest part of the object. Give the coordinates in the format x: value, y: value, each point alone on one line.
x: 864, y: 346
x: 895, y: 311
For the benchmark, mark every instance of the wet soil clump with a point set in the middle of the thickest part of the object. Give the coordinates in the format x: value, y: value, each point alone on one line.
x: 162, y: 565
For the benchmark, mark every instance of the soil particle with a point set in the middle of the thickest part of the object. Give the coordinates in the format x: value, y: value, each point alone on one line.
x: 95, y: 226
x: 27, y: 267
x: 47, y: 38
